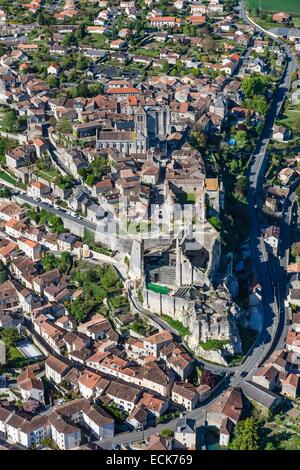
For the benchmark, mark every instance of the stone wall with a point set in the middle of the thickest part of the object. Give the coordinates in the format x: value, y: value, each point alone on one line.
x: 166, y: 304
x: 21, y: 138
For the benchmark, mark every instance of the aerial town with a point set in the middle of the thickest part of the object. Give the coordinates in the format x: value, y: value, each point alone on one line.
x: 149, y: 225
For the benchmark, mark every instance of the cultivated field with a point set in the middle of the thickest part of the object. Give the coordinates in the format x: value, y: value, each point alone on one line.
x: 288, y: 6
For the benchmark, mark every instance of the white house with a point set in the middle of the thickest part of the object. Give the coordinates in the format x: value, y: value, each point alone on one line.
x: 55, y: 369
x: 31, y: 249
x: 30, y: 386
x: 87, y: 383
x: 37, y: 189
x: 271, y: 237
x: 53, y: 69
x: 66, y: 435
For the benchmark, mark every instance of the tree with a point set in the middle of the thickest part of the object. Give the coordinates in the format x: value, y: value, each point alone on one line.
x: 81, y: 63
x: 89, y: 237
x: 83, y: 90
x: 167, y: 433
x: 49, y: 442
x: 195, y: 72
x: 209, y: 44
x: 270, y: 446
x: 64, y: 262
x: 80, y: 33
x: 9, y: 121
x: 233, y: 165
x: 83, y: 173
x: 246, y: 435
x: 64, y: 182
x: 110, y: 278
x: 3, y: 273
x: 198, y: 139
x: 242, y: 139
x: 91, y: 180
x: 295, y: 249
x: 10, y: 336
x: 22, y: 123
x: 95, y: 89
x: 70, y: 40
x: 297, y: 125
x: 52, y: 81
x: 241, y: 185
x: 256, y: 85
x: 165, y: 66
x: 5, y: 192
x: 40, y: 19
x: 297, y: 192
x: 49, y: 261
x: 64, y: 125
x: 258, y: 103
x: 53, y: 121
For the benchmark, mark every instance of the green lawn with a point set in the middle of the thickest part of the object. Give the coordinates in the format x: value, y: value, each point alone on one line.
x: 213, y: 344
x: 177, y: 325
x: 158, y: 288
x: 6, y: 177
x: 288, y: 6
x: 14, y: 353
x: 48, y: 175
x: 98, y: 40
x: 188, y: 198
x: 266, y: 24
x: 291, y: 119
x: 147, y: 52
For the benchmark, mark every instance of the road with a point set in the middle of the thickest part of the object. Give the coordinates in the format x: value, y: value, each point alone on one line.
x: 283, y: 261
x: 274, y: 325
x: 57, y: 211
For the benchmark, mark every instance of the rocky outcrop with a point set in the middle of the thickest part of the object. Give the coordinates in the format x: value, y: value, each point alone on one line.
x: 212, y: 316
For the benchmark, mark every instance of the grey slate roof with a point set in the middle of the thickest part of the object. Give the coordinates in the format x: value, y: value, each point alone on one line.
x: 260, y: 394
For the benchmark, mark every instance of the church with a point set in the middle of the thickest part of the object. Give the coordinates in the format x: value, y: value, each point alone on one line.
x: 126, y: 142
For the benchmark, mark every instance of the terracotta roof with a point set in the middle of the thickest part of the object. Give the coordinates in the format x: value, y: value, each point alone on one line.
x: 151, y: 402
x: 159, y: 338
x: 123, y: 91
x: 211, y: 184
x: 89, y: 379
x: 57, y: 365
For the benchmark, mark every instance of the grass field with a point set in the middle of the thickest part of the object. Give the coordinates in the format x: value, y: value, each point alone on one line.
x: 177, y: 325
x: 291, y: 118
x: 6, y: 177
x: 288, y: 6
x: 99, y: 40
x: 158, y: 288
x: 48, y: 175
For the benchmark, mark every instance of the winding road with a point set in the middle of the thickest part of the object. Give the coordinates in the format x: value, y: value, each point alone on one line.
x: 275, y: 326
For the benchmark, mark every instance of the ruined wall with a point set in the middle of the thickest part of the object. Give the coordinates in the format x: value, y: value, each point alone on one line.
x: 166, y: 304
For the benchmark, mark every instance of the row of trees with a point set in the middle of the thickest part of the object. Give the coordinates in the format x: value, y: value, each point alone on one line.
x: 256, y: 89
